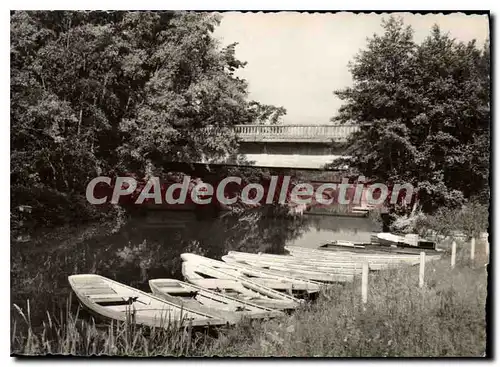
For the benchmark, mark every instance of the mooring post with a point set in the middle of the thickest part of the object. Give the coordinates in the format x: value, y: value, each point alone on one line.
x: 472, y: 248
x: 453, y: 253
x: 364, y: 283
x: 422, y: 270
x: 486, y: 241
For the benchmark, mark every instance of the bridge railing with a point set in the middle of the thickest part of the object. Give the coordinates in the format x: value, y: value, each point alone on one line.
x: 322, y: 133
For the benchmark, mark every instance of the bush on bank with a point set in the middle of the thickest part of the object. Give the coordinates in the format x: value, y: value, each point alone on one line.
x: 470, y: 220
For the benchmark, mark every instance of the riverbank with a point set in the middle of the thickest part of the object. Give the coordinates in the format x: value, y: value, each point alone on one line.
x: 446, y: 318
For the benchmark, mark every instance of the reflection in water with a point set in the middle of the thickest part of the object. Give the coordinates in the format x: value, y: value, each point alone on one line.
x: 321, y: 229
x: 150, y: 246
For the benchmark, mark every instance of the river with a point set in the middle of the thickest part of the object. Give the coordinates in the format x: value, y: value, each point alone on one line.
x: 149, y: 246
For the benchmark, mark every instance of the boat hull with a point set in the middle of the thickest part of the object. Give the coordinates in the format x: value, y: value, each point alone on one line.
x: 115, y: 301
x: 230, y: 309
x: 204, y: 275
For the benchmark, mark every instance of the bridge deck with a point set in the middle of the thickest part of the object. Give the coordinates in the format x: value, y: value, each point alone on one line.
x: 291, y: 161
x: 295, y: 133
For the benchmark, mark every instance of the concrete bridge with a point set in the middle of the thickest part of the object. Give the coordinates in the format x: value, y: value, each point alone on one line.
x: 313, y: 134
x: 294, y: 146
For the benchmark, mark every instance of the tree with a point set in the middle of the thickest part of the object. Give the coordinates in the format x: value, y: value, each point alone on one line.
x: 265, y: 114
x: 424, y: 114
x: 114, y: 92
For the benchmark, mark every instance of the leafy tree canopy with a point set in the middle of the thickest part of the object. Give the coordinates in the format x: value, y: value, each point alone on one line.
x: 265, y: 114
x: 424, y: 114
x: 115, y: 92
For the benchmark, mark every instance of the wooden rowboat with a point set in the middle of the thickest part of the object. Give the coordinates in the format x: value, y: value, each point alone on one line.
x: 303, y: 272
x: 375, y: 248
x: 278, y: 281
x: 299, y: 284
x: 336, y: 261
x: 349, y: 268
x: 323, y: 255
x: 204, y: 300
x: 116, y: 301
x: 333, y: 267
x: 301, y: 252
x: 206, y: 276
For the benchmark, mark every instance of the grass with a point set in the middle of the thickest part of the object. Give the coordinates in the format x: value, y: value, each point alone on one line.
x: 445, y: 318
x: 76, y: 336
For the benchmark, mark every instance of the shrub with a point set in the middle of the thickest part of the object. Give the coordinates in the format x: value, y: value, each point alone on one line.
x: 470, y: 220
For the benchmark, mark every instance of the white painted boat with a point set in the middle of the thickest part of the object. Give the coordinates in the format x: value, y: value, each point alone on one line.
x: 116, y: 301
x: 332, y: 267
x: 295, y: 266
x: 194, y: 297
x: 379, y: 262
x: 322, y: 252
x: 381, y: 249
x: 277, y: 281
x: 262, y: 267
x: 391, y: 238
x: 299, y: 283
x: 206, y: 276
x: 336, y: 261
x: 327, y: 255
x: 305, y: 273
x: 314, y: 254
x: 345, y: 244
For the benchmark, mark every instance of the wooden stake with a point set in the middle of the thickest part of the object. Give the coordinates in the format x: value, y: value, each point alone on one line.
x: 453, y: 253
x: 487, y: 248
x: 364, y: 283
x: 472, y: 248
x: 422, y: 270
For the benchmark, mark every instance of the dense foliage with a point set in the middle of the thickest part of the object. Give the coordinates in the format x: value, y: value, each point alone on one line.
x: 265, y: 114
x: 470, y: 220
x: 99, y: 93
x: 425, y: 114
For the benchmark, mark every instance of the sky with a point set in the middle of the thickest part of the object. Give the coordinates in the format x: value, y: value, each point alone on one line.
x: 297, y: 60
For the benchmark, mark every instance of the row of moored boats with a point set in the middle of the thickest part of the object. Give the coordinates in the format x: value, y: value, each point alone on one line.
x: 222, y: 292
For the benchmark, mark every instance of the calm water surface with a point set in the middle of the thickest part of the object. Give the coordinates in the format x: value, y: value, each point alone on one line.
x: 149, y: 247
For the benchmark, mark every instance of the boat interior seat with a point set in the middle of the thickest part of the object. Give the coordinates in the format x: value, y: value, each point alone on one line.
x: 117, y: 301
x: 92, y: 286
x: 176, y: 289
x: 89, y: 292
x: 90, y: 279
x: 180, y: 292
x: 217, y: 283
